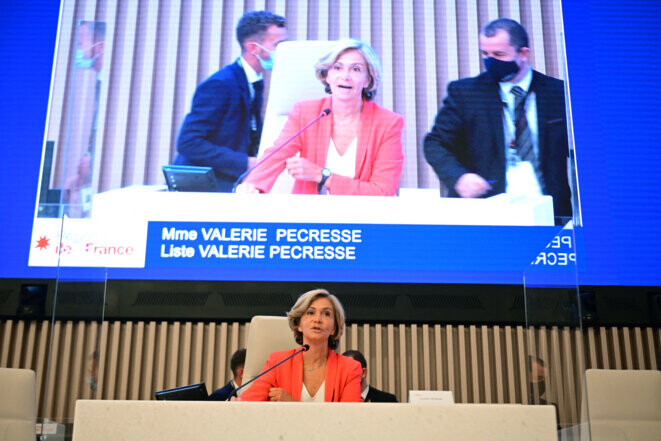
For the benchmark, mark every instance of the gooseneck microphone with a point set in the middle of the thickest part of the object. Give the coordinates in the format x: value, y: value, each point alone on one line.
x: 245, y: 174
x: 303, y: 348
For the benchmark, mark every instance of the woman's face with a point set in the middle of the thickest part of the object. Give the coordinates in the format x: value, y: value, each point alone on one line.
x: 348, y: 76
x: 318, y: 321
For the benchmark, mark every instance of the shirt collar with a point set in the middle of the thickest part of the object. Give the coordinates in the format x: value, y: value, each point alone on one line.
x: 364, y: 393
x: 251, y: 74
x: 524, y: 83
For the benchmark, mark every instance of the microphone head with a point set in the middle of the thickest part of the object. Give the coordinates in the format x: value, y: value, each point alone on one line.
x: 306, y: 347
x: 326, y: 112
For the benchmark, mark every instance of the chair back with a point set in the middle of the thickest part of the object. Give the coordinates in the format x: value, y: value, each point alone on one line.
x: 18, y: 408
x: 293, y: 80
x: 623, y: 404
x: 266, y: 334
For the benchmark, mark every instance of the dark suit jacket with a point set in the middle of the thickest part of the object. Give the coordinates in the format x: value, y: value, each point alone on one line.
x: 216, y: 132
x: 467, y: 136
x: 223, y: 393
x: 377, y: 396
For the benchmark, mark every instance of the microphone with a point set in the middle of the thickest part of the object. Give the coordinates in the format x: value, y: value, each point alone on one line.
x: 245, y: 174
x: 303, y: 348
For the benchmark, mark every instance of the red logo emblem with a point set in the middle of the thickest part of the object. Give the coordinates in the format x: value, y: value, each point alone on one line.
x: 43, y: 243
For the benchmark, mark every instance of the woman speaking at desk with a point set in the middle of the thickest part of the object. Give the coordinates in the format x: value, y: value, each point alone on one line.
x: 319, y: 374
x: 355, y: 150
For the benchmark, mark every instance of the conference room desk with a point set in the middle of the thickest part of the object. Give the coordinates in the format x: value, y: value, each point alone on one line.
x: 97, y: 420
x: 413, y: 206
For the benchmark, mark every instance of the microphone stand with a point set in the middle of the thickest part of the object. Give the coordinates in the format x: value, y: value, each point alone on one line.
x: 303, y: 348
x: 277, y: 149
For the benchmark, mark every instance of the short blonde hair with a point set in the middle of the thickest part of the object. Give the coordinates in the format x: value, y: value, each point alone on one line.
x: 371, y: 59
x: 302, y: 305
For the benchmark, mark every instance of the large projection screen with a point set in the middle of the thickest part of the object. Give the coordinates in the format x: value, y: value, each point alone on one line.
x: 112, y: 124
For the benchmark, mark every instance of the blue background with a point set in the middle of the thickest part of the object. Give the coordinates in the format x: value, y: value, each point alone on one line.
x: 615, y: 87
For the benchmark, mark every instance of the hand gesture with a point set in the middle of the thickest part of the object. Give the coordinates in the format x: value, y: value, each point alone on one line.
x: 471, y: 185
x: 303, y: 169
x: 279, y: 394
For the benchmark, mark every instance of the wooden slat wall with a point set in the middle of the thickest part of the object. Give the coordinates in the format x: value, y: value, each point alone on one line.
x: 479, y: 364
x: 157, y: 51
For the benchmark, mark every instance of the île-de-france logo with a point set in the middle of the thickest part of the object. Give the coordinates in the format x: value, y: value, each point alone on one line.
x: 43, y: 243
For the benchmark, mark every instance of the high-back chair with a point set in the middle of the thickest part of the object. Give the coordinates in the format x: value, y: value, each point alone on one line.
x: 267, y: 334
x: 623, y: 405
x: 293, y: 80
x: 18, y: 408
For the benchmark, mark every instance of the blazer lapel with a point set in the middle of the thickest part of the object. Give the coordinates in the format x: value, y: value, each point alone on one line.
x: 495, y: 115
x: 322, y: 134
x: 364, y: 130
x: 542, y: 115
x: 331, y: 376
x: 241, y: 82
x: 297, y: 377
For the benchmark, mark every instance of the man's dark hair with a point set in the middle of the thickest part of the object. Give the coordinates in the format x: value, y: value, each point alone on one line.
x: 255, y: 23
x: 517, y: 33
x: 238, y: 360
x: 532, y: 360
x: 356, y: 355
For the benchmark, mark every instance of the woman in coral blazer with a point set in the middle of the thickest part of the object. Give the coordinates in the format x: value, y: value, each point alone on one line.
x: 355, y: 150
x: 318, y: 374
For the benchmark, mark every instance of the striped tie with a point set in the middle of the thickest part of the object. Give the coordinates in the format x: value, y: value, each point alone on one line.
x: 522, y: 136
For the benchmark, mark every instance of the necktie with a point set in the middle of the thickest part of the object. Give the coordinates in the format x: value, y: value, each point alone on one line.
x: 256, y: 106
x: 522, y: 136
x: 256, y: 117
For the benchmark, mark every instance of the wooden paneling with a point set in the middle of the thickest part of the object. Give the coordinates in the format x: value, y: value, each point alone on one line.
x: 480, y: 364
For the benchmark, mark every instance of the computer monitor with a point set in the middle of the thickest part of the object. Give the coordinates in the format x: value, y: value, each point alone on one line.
x: 190, y: 178
x: 192, y: 392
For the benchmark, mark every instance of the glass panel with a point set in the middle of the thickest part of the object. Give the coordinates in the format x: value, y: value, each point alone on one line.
x: 554, y: 315
x: 555, y: 359
x: 76, y: 329
x: 69, y: 181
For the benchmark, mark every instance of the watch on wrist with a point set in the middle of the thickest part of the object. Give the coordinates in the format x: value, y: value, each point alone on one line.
x: 325, y: 174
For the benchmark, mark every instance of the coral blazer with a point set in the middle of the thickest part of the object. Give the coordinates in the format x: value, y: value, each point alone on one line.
x: 379, y: 157
x: 342, y: 381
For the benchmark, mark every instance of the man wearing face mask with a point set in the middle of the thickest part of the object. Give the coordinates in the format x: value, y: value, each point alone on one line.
x: 223, y: 128
x: 88, y: 60
x: 504, y: 130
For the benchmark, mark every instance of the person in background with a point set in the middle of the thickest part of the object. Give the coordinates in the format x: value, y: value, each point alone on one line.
x: 369, y: 393
x: 537, y: 373
x: 223, y: 128
x: 88, y: 59
x: 356, y: 150
x: 237, y: 362
x: 319, y: 374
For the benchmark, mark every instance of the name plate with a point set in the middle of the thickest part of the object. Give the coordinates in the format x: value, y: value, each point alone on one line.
x: 431, y: 397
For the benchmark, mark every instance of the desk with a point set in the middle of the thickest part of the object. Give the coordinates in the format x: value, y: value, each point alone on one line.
x: 97, y: 420
x: 414, y: 207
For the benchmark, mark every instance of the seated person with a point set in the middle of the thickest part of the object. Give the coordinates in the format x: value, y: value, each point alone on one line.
x: 356, y: 150
x: 237, y: 362
x: 369, y: 393
x: 537, y: 373
x: 319, y: 374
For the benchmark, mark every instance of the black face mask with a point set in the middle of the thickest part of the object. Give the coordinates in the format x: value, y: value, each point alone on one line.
x: 537, y: 389
x: 500, y: 70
